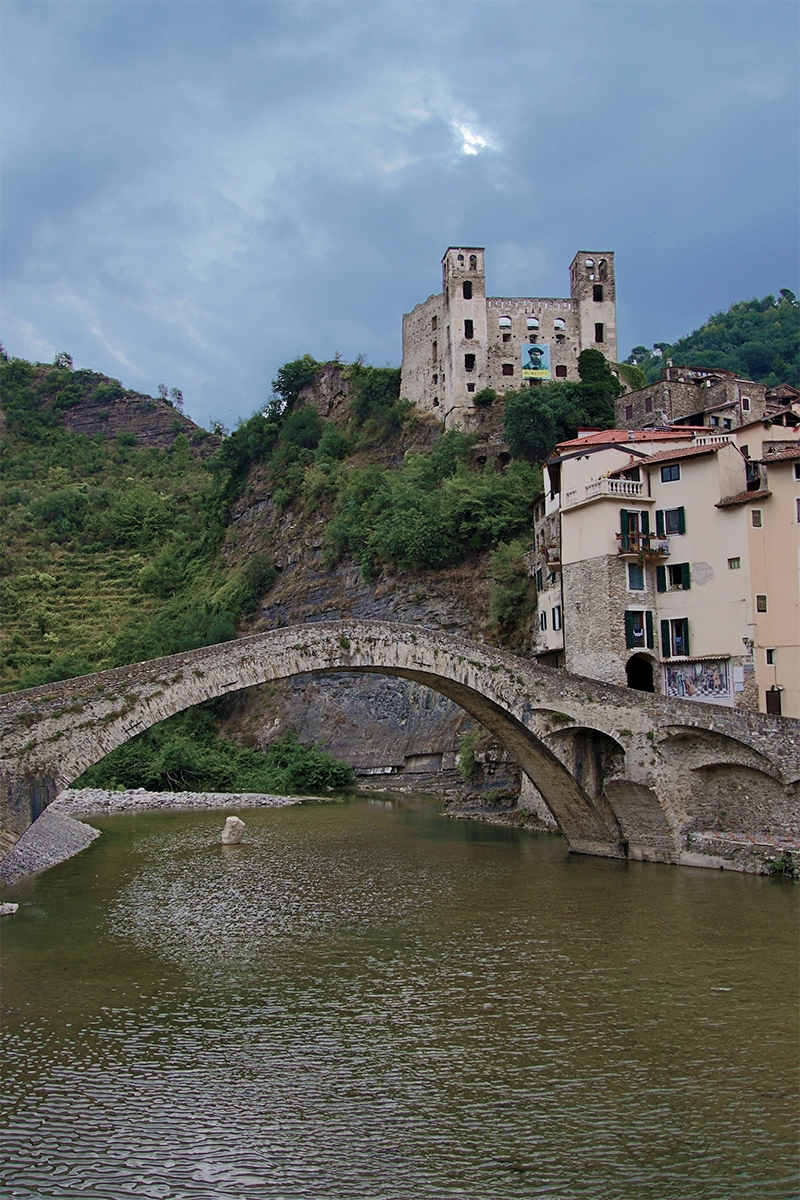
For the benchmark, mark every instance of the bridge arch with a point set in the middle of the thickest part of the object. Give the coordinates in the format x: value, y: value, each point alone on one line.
x: 591, y: 749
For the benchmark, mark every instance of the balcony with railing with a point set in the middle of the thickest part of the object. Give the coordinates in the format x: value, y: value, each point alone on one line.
x: 646, y: 546
x: 606, y: 489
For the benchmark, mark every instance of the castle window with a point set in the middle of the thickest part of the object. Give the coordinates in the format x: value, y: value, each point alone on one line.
x: 470, y: 387
x: 469, y: 362
x: 589, y: 264
x: 597, y: 292
x: 561, y: 372
x: 466, y: 289
x: 506, y: 337
x: 559, y: 323
x: 508, y: 368
x: 436, y: 379
x: 435, y: 401
x: 435, y: 351
x: 560, y: 339
x: 434, y: 323
x: 599, y: 332
x: 473, y: 262
x: 602, y: 269
x: 533, y: 322
x: 504, y: 322
x: 533, y: 339
x: 461, y: 258
x: 468, y: 330
x: 648, y: 404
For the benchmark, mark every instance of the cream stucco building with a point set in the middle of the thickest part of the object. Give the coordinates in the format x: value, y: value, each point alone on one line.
x: 669, y: 560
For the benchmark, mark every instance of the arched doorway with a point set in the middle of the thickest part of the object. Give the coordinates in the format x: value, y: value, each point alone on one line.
x: 639, y: 671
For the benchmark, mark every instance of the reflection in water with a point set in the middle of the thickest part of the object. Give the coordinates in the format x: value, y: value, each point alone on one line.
x: 367, y: 1000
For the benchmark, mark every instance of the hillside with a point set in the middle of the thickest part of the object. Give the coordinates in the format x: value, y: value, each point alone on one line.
x: 129, y: 533
x: 758, y: 339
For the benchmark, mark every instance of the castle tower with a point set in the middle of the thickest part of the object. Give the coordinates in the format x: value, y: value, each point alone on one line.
x: 594, y: 294
x: 466, y: 343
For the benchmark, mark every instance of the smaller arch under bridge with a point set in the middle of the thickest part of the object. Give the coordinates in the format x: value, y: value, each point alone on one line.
x: 624, y: 773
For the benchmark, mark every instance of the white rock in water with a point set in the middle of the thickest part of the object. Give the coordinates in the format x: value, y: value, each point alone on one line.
x: 233, y: 832
x: 8, y: 910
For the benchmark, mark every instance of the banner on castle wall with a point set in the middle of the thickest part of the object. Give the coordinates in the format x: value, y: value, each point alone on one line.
x: 535, y: 360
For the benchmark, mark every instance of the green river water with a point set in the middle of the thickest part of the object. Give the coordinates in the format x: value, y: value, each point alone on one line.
x: 370, y: 1000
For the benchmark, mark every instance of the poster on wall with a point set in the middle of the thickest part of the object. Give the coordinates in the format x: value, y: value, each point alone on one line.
x: 535, y: 360
x: 698, y: 680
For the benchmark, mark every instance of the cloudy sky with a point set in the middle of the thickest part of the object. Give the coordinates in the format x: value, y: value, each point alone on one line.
x: 198, y: 192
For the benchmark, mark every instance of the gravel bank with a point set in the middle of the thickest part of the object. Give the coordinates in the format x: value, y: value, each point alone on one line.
x: 75, y: 803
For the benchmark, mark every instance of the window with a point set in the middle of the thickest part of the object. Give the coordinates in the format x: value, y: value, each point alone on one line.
x: 469, y: 362
x: 670, y: 521
x: 561, y: 372
x: 638, y: 629
x: 559, y: 324
x: 434, y: 323
x: 466, y: 289
x: 543, y: 621
x: 539, y: 580
x: 473, y: 262
x: 745, y: 404
x: 599, y: 332
x: 761, y: 602
x: 745, y: 451
x: 726, y: 424
x: 734, y: 564
x: 773, y: 701
x: 468, y: 330
x: 589, y: 264
x: 770, y: 656
x: 628, y: 412
x: 648, y: 404
x: 634, y: 474
x: 635, y: 578
x: 508, y: 368
x: 461, y: 258
x: 670, y: 473
x: 597, y: 292
x: 755, y: 518
x: 470, y: 387
x: 435, y: 351
x: 504, y: 322
x: 675, y: 638
x: 533, y: 322
x: 602, y: 269
x: 506, y: 337
x: 715, y: 421
x: 797, y: 470
x: 797, y: 510
x: 435, y: 401
x: 676, y: 577
x: 557, y: 617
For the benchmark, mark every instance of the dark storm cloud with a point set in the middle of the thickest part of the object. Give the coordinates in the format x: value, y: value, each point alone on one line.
x: 198, y: 192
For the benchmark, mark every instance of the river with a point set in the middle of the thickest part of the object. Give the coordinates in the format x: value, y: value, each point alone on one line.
x: 369, y: 1000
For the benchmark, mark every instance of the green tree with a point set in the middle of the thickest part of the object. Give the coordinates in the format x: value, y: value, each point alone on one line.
x: 292, y: 377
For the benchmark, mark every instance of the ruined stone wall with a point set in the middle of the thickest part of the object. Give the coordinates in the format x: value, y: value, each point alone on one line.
x: 672, y: 400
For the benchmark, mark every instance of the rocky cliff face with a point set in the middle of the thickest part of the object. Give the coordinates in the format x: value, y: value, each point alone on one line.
x: 386, y: 728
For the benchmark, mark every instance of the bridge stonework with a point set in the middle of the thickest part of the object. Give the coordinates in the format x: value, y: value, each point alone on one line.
x: 624, y: 773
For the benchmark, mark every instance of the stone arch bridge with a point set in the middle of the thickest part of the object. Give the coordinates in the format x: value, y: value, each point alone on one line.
x: 624, y: 773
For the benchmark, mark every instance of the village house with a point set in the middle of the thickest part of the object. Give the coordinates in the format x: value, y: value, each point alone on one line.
x: 704, y: 396
x: 668, y: 560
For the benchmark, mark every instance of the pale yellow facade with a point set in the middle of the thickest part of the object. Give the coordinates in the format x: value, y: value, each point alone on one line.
x: 662, y: 570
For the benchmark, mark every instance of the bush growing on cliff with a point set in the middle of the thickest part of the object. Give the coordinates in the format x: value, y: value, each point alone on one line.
x: 513, y: 601
x: 185, y: 753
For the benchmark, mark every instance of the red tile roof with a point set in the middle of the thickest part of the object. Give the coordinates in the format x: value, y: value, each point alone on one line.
x: 663, y: 456
x: 743, y: 498
x: 789, y: 452
x: 609, y: 437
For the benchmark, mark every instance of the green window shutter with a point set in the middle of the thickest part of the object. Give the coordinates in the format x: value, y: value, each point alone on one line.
x: 661, y: 578
x: 648, y: 625
x: 659, y: 522
x: 630, y: 640
x: 665, y: 646
x: 686, y: 576
x: 681, y: 520
x: 687, y: 648
x: 646, y: 523
x: 623, y: 527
